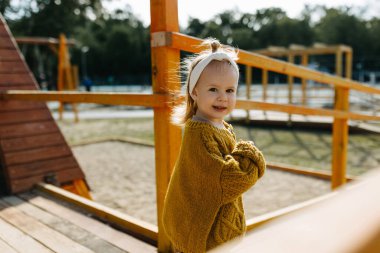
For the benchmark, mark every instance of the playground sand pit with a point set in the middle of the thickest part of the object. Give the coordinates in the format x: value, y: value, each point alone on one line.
x: 122, y: 176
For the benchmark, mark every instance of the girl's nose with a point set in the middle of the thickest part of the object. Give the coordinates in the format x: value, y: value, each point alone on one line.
x: 222, y: 96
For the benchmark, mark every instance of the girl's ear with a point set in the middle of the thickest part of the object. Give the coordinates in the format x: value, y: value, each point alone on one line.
x: 194, y: 94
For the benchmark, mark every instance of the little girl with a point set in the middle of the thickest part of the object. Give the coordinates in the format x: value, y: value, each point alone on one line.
x: 203, y: 205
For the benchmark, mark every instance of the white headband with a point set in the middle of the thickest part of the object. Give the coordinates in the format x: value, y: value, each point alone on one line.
x: 198, y: 69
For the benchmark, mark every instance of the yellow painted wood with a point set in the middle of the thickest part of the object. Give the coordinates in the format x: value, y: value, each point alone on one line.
x: 147, y: 231
x: 265, y: 218
x: 294, y: 109
x: 264, y: 81
x: 305, y: 62
x: 338, y: 63
x: 340, y: 139
x: 79, y: 187
x: 165, y: 62
x: 348, y: 65
x: 310, y: 51
x: 108, y: 98
x: 188, y: 43
x: 304, y: 171
x: 65, y: 80
x: 42, y: 41
x: 248, y: 83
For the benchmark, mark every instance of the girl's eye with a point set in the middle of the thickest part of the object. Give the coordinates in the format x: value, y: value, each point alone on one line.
x: 212, y: 89
x: 230, y: 91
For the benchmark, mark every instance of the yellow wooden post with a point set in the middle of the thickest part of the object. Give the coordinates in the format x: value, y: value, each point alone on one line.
x: 65, y: 77
x: 340, y: 130
x: 248, y: 82
x: 349, y: 64
x: 340, y: 139
x: 165, y: 60
x: 264, y: 81
x: 338, y: 63
x: 290, y: 85
x: 305, y: 61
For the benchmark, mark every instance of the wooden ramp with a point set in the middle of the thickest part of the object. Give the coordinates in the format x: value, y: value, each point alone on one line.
x: 34, y: 222
x: 32, y: 148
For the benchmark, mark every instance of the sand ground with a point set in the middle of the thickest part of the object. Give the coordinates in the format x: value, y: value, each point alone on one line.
x: 122, y: 176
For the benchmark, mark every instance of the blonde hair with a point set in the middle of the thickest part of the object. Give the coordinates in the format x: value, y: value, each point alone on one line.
x: 187, y: 109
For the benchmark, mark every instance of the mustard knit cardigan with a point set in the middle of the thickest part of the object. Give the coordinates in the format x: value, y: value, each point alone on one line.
x: 203, y: 205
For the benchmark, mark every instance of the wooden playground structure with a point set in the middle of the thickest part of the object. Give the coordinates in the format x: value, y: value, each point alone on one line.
x: 34, y: 154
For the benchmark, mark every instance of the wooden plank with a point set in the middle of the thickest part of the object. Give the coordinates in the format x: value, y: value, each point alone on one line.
x: 25, y: 116
x: 6, y: 43
x: 340, y: 140
x: 14, y: 105
x: 31, y: 142
x: 32, y: 155
x: 23, y: 130
x: 13, y: 68
x: 293, y: 109
x: 13, y: 236
x: 5, y: 248
x: 117, y: 238
x: 146, y: 231
x: 40, y: 232
x: 11, y: 79
x: 66, y: 227
x: 10, y: 55
x: 26, y: 87
x: 3, y: 31
x: 164, y: 17
x: 62, y: 176
x: 111, y: 98
x: 41, y: 167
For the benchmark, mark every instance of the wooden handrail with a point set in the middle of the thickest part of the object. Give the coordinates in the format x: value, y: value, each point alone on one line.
x: 42, y: 41
x: 156, y: 101
x: 190, y: 44
x: 109, y: 98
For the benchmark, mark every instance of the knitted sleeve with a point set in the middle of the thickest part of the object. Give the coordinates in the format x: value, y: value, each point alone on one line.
x: 240, y: 169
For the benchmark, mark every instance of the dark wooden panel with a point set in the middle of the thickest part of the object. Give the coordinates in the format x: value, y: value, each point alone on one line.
x: 37, y: 154
x: 6, y: 43
x: 10, y: 55
x: 30, y: 142
x: 9, y: 79
x: 16, y: 105
x: 30, y: 86
x: 13, y: 67
x: 25, y: 116
x: 42, y: 167
x: 63, y: 176
x: 27, y: 129
x: 3, y: 31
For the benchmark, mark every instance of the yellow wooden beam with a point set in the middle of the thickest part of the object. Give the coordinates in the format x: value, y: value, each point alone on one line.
x: 304, y: 62
x: 340, y: 139
x: 248, y: 83
x: 165, y: 61
x: 191, y: 44
x: 264, y: 81
x: 265, y: 218
x: 108, y: 98
x: 294, y: 109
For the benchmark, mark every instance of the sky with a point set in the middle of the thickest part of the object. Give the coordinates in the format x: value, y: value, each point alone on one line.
x: 205, y: 10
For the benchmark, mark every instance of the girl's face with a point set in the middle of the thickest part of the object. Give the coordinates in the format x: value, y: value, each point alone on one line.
x: 215, y: 91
